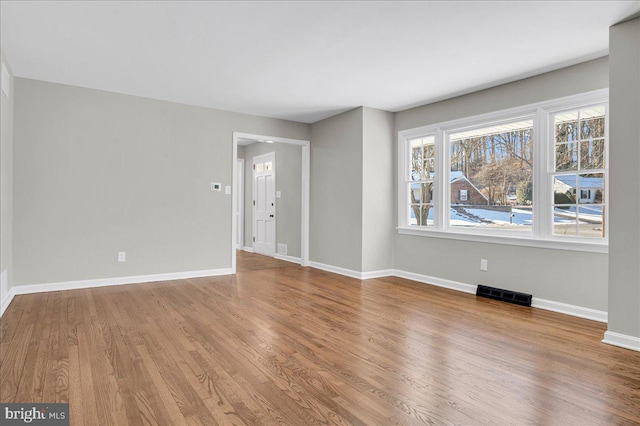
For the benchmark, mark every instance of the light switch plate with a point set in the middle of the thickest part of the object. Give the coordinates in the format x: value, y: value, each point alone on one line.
x: 227, y: 190
x: 278, y: 194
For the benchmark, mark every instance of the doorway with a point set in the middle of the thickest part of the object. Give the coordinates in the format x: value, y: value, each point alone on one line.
x: 240, y: 140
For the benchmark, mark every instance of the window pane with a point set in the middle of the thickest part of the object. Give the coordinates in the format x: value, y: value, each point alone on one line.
x: 582, y: 130
x: 427, y: 215
x: 429, y: 148
x: 421, y: 193
x: 567, y: 156
x: 592, y: 122
x: 414, y: 215
x: 421, y: 215
x: 591, y: 220
x: 591, y: 187
x: 592, y: 154
x: 428, y: 155
x: 414, y: 193
x: 426, y: 193
x: 564, y: 220
x: 578, y: 205
x: 416, y: 159
x: 491, y: 178
x: 429, y: 168
x: 566, y: 126
x: 564, y: 189
x: 422, y: 158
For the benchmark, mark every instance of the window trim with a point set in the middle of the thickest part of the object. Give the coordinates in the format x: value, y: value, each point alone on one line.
x: 542, y: 233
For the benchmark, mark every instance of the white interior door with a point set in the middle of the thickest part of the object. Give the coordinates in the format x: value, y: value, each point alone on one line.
x: 264, y: 204
x: 239, y: 207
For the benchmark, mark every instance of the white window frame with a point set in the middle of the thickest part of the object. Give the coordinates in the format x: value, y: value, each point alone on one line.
x: 543, y: 169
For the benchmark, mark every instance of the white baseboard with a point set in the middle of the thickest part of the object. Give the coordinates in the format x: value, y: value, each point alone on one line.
x: 376, y: 274
x: 105, y: 282
x: 7, y: 297
x: 573, y: 310
x: 351, y: 273
x: 622, y: 340
x: 549, y: 305
x: 291, y: 259
x: 247, y: 249
x: 336, y: 270
x: 439, y: 282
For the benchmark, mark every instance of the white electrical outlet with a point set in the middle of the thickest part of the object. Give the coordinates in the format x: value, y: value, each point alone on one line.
x: 282, y: 249
x: 484, y: 264
x: 122, y: 256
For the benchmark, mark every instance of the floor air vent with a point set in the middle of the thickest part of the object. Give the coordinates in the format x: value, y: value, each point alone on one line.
x: 504, y: 295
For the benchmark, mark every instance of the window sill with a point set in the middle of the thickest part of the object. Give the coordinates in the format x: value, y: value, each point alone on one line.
x: 513, y: 240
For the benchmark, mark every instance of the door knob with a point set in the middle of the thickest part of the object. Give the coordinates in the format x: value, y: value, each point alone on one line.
x: 270, y: 215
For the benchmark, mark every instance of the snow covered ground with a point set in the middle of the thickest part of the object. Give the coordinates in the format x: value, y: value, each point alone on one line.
x: 479, y: 217
x: 471, y: 216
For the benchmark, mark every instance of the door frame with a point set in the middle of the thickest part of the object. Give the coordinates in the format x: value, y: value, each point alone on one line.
x: 267, y: 155
x: 305, y: 178
x: 239, y: 173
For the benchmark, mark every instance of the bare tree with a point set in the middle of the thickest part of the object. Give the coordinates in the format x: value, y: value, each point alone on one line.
x: 495, y: 163
x: 421, y: 203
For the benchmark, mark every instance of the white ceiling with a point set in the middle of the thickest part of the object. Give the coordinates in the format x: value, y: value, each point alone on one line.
x: 301, y: 61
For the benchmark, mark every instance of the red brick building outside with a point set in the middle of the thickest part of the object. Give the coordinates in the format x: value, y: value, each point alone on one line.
x: 464, y: 192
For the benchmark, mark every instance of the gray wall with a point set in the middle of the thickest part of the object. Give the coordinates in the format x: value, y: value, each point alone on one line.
x: 624, y: 163
x: 6, y: 180
x: 378, y: 183
x: 335, y: 230
x: 576, y: 278
x: 288, y: 181
x: 96, y: 173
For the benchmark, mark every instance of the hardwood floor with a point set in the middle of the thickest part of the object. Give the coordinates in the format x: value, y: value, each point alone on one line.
x: 246, y: 262
x: 283, y: 344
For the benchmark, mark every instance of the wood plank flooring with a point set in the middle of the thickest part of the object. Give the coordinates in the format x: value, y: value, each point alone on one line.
x: 282, y: 344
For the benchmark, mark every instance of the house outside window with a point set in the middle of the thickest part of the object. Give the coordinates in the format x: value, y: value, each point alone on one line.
x: 537, y: 172
x: 580, y: 169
